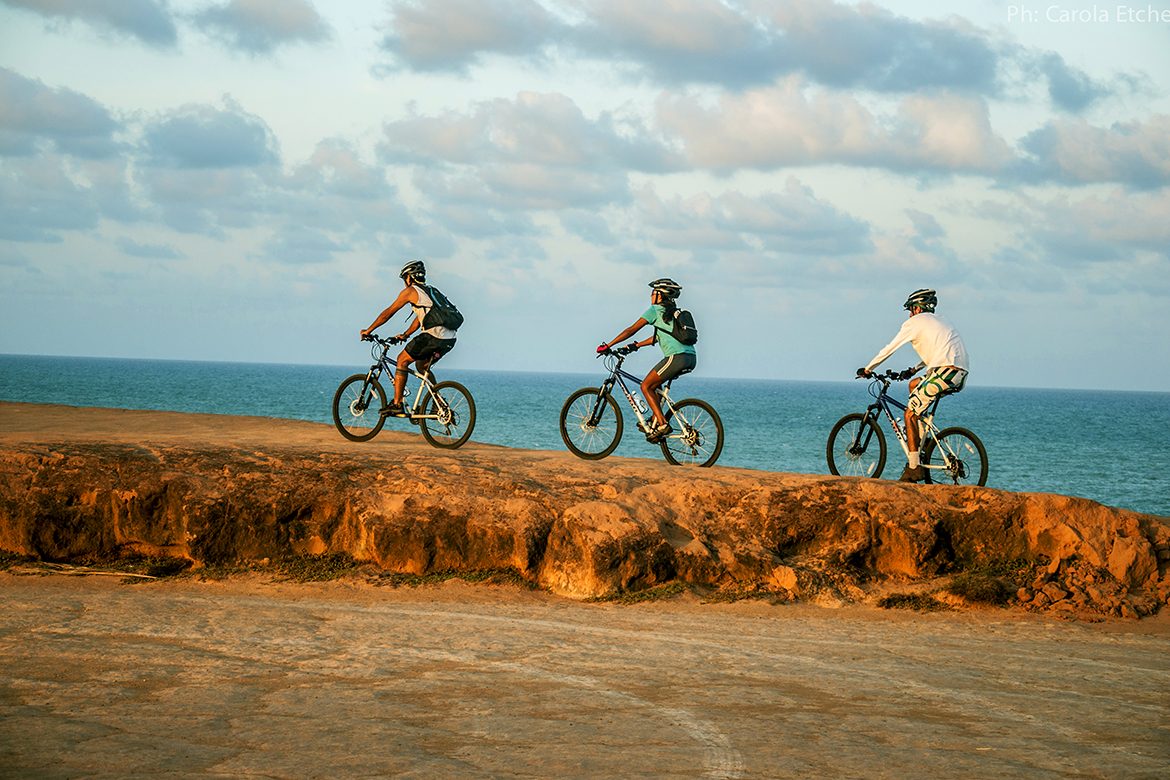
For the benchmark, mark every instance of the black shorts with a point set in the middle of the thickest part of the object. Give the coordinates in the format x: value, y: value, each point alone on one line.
x: 674, y: 366
x: 424, y: 346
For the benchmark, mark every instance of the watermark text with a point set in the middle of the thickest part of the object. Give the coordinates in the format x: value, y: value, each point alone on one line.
x: 1095, y: 14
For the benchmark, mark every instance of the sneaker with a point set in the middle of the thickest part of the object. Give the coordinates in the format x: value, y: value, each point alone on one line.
x: 394, y: 410
x: 916, y: 474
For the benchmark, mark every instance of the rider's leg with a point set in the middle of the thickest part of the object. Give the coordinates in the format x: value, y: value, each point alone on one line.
x: 913, y: 439
x: 404, y: 361
x: 650, y: 386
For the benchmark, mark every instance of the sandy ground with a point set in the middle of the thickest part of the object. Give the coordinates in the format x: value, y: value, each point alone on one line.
x: 250, y: 678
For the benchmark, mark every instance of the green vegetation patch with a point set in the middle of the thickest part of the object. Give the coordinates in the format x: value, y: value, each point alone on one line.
x: 980, y: 589
x: 1013, y: 571
x: 10, y: 559
x: 316, y: 568
x: 756, y: 592
x: 920, y: 602
x: 505, y: 576
x: 657, y: 593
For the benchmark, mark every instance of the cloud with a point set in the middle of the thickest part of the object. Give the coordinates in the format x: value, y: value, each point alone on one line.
x: 588, y: 225
x: 32, y: 113
x: 148, y: 251
x: 738, y: 46
x: 300, y: 245
x: 453, y: 34
x: 1069, y: 88
x: 205, y: 137
x: 149, y: 21
x: 39, y: 199
x: 1071, y: 151
x: 1101, y: 228
x: 868, y: 47
x: 676, y: 41
x: 790, y: 125
x: 537, y: 151
x: 259, y: 27
x: 793, y: 221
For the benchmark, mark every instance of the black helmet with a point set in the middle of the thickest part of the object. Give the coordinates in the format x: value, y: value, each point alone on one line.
x: 921, y: 299
x: 414, y: 268
x: 668, y: 287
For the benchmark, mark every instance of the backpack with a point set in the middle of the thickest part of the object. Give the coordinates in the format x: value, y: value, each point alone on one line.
x: 683, y: 328
x: 442, y: 313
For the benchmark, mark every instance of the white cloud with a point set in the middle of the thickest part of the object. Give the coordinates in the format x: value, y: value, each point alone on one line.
x: 206, y: 137
x: 32, y: 113
x: 452, y: 34
x: 793, y: 221
x: 150, y: 21
x: 261, y: 26
x: 1072, y: 151
x: 789, y: 124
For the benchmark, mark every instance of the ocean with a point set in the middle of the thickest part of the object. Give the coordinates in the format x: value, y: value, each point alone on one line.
x: 1110, y: 446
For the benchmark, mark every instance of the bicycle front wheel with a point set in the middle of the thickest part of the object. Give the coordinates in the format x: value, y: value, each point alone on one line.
x: 856, y: 447
x: 961, y: 455
x: 591, y: 424
x: 697, y: 438
x: 450, y: 417
x: 357, y: 408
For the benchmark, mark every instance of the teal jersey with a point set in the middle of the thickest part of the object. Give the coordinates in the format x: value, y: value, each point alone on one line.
x: 669, y: 344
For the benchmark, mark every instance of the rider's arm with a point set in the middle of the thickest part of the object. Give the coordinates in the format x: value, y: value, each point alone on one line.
x: 630, y: 331
x: 407, y: 296
x: 404, y: 335
x: 903, y: 337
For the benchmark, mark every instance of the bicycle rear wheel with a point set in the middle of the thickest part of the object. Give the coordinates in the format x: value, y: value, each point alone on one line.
x: 591, y: 425
x: 962, y: 455
x: 357, y: 407
x: 454, y: 419
x: 856, y: 447
x: 697, y: 438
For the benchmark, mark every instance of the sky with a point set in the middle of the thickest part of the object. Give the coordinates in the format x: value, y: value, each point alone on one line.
x: 241, y: 180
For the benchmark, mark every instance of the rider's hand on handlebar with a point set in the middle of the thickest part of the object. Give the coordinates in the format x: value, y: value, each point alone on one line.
x: 602, y: 348
x: 863, y: 373
x: 906, y: 374
x: 631, y: 347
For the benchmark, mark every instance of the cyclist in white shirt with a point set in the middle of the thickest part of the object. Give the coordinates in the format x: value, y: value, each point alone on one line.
x: 944, y: 357
x: 425, y: 348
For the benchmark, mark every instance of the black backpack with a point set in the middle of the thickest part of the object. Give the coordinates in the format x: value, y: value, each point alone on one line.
x: 443, y: 313
x: 683, y: 328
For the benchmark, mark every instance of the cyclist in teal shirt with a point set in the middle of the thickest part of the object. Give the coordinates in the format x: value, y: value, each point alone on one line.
x: 678, y: 358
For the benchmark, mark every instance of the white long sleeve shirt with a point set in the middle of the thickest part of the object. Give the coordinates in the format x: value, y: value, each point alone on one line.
x: 934, y: 339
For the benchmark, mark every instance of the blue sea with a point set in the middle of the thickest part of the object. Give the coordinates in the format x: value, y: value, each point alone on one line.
x: 1109, y: 446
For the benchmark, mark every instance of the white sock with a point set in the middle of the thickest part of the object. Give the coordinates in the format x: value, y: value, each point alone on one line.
x: 913, y: 460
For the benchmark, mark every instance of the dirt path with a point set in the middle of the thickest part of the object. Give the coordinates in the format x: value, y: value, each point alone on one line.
x: 250, y: 678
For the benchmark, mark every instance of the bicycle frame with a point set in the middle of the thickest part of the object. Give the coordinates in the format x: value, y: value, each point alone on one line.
x: 618, y: 376
x: 882, y: 403
x: 426, y: 384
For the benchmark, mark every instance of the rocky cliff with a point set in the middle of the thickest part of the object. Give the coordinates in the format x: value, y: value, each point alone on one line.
x: 90, y: 484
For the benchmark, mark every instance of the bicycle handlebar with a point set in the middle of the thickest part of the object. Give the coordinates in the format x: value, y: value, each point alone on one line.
x: 890, y: 375
x: 618, y: 351
x: 385, y: 342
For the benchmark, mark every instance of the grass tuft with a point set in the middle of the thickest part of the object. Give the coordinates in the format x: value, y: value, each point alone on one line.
x: 657, y: 593
x: 980, y: 589
x: 10, y: 559
x: 920, y: 602
x: 476, y: 577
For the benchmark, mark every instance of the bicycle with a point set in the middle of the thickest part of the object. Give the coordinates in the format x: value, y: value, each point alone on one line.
x: 857, y: 446
x: 591, y: 421
x: 443, y: 411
